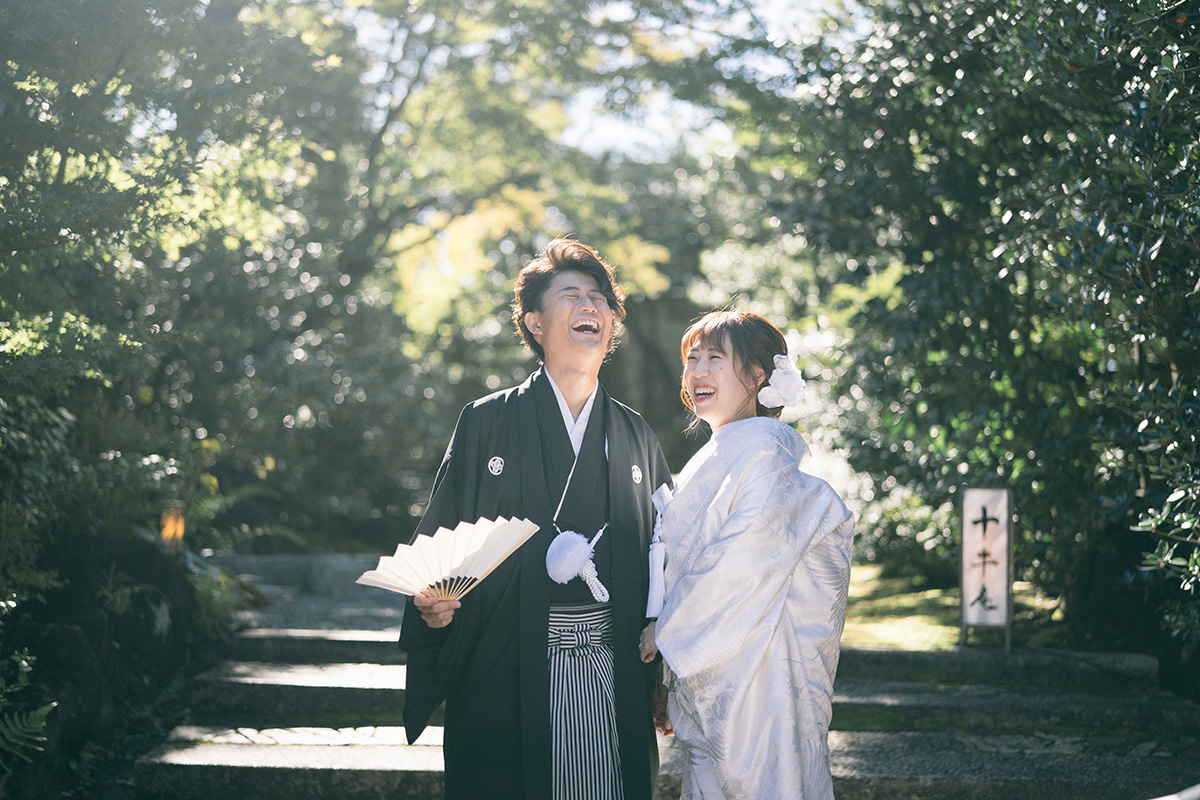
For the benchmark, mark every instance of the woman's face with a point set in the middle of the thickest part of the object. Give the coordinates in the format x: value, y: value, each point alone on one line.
x: 713, y: 381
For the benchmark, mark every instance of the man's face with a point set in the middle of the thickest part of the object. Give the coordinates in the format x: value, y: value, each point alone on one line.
x: 575, y: 316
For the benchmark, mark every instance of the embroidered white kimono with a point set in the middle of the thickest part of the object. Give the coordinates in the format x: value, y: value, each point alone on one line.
x: 757, y: 573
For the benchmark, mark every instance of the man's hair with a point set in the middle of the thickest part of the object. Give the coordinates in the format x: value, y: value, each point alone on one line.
x: 754, y: 341
x: 563, y: 255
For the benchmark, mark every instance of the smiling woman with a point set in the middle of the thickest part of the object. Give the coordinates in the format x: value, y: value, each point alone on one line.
x: 719, y: 385
x: 754, y: 578
x: 712, y: 379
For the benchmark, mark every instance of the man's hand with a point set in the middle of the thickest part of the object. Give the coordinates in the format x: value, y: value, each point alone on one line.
x: 436, y: 613
x: 647, y: 647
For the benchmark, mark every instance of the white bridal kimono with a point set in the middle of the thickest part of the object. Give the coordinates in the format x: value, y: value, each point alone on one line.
x: 757, y: 573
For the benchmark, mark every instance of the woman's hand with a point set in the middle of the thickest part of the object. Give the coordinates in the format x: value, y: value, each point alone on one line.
x: 659, y: 706
x: 647, y: 647
x: 436, y: 613
x: 649, y: 652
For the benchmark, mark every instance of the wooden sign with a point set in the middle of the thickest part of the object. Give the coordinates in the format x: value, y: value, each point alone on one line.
x: 987, y: 560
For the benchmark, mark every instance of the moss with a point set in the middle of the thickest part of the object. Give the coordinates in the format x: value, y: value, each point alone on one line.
x: 890, y: 612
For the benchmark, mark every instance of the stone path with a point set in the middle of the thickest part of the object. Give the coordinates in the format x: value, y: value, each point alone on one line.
x: 307, y: 705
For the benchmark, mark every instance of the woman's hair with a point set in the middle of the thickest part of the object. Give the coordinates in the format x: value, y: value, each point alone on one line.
x: 754, y: 341
x: 563, y: 255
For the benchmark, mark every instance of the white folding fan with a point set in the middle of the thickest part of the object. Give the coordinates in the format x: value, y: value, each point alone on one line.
x: 451, y: 562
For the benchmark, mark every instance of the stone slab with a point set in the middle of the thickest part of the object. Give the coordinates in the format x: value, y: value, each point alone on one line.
x: 951, y: 766
x: 876, y: 704
x: 325, y: 573
x: 356, y: 764
x: 1020, y: 666
x: 251, y: 693
x: 291, y: 645
x: 247, y: 692
x: 326, y: 736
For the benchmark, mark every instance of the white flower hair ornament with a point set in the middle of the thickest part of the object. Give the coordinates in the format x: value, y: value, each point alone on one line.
x: 784, y: 386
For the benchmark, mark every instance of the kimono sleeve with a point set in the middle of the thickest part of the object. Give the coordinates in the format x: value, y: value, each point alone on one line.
x: 661, y: 471
x: 734, y: 593
x: 445, y: 509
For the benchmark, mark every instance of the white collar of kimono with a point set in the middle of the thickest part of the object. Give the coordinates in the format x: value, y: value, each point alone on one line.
x: 570, y: 554
x: 576, y: 428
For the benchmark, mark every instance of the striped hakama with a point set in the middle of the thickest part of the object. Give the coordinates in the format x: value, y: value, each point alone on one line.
x: 583, y: 718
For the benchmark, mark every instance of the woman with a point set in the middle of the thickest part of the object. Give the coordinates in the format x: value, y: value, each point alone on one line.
x: 757, y: 570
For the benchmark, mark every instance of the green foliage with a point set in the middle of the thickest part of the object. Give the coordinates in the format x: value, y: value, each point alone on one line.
x: 217, y: 596
x: 1181, y: 618
x: 1006, y: 188
x: 1169, y: 437
x: 20, y: 729
x: 274, y: 243
x: 906, y: 538
x: 116, y: 591
x: 32, y: 454
x: 350, y: 283
x: 74, y: 77
x: 254, y: 256
x: 36, y: 470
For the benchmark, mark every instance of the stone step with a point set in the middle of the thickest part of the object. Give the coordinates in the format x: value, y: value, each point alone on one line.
x: 316, y: 574
x: 313, y: 735
x: 363, y: 772
x: 1018, y: 667
x: 869, y: 704
x: 257, y: 693
x: 304, y: 646
x: 951, y: 765
x: 370, y: 763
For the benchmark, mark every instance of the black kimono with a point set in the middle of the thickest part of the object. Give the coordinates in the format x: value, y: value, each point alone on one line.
x: 490, y: 663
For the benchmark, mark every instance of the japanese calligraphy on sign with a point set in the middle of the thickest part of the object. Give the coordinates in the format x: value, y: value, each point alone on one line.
x: 986, y: 557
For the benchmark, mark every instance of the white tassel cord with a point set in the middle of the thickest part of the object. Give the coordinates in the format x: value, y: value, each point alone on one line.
x: 570, y: 555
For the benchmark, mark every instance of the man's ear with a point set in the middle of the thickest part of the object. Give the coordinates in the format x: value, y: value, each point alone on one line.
x: 533, y: 321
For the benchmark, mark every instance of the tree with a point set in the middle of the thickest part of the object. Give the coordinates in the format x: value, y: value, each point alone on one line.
x: 252, y: 255
x: 320, y: 201
x: 1008, y: 188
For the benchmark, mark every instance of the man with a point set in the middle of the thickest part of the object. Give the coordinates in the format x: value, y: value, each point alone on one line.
x: 546, y: 696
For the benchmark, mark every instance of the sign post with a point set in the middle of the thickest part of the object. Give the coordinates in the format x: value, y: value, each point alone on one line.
x: 987, y: 562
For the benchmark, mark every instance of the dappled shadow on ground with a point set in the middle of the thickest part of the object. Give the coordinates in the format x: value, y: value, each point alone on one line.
x: 890, y: 612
